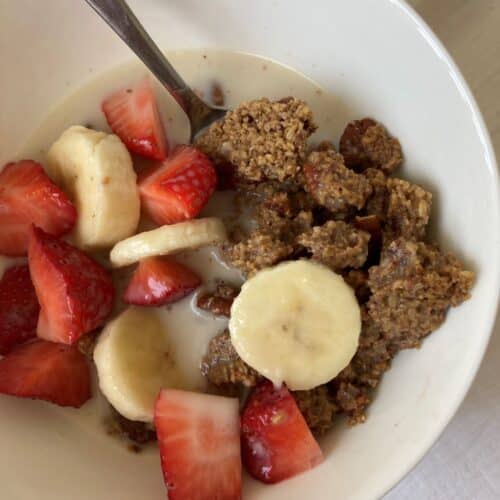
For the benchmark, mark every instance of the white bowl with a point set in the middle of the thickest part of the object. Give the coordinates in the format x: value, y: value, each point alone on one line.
x: 380, y: 59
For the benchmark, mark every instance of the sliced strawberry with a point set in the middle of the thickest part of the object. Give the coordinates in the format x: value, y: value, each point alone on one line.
x: 158, y: 281
x: 74, y: 291
x: 19, y: 308
x: 179, y: 188
x: 199, y: 439
x: 132, y: 114
x: 45, y: 370
x: 28, y: 196
x: 276, y: 441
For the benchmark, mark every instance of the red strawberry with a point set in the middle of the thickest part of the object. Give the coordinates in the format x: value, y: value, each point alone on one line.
x: 18, y: 308
x: 179, y: 188
x: 132, y: 114
x: 276, y: 441
x: 74, y: 291
x: 158, y: 281
x: 199, y: 439
x: 45, y: 370
x: 28, y: 196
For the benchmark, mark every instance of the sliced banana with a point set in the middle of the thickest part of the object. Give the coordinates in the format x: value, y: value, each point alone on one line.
x: 95, y: 169
x: 134, y: 362
x: 168, y: 239
x: 297, y: 323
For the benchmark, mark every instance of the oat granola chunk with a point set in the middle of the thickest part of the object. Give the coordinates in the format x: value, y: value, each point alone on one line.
x: 318, y: 408
x: 408, y: 210
x: 366, y: 143
x: 219, y: 301
x: 222, y: 365
x: 352, y: 388
x: 258, y: 251
x: 263, y: 139
x: 332, y: 184
x: 412, y: 289
x: 337, y: 244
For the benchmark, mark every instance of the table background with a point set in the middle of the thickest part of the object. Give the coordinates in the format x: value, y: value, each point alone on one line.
x: 465, y: 463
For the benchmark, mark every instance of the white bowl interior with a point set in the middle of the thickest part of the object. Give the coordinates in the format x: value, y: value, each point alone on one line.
x: 379, y: 60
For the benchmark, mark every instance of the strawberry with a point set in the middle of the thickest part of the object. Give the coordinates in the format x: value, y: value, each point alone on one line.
x: 158, y: 281
x: 45, y: 370
x: 179, y: 188
x: 18, y: 308
x: 28, y: 196
x: 199, y: 439
x: 74, y: 291
x: 275, y: 439
x: 132, y: 114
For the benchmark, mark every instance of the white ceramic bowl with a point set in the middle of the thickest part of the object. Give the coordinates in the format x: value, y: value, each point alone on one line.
x: 380, y: 59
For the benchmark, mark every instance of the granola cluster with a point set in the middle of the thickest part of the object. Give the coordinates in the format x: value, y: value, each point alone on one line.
x: 345, y: 210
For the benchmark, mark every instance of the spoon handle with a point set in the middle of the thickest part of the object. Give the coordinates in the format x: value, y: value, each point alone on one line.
x: 122, y: 20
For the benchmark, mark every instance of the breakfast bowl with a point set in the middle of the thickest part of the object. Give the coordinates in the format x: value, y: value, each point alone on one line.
x: 372, y: 58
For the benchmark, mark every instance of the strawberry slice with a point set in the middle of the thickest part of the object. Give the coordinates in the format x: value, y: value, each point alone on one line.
x: 28, y: 196
x: 74, y: 291
x: 199, y: 439
x: 158, y: 281
x: 132, y: 114
x: 19, y: 308
x: 275, y: 439
x: 44, y: 370
x: 179, y: 188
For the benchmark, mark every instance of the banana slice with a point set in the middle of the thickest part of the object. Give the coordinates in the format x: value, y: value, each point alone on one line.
x: 134, y: 362
x: 168, y: 239
x: 95, y: 169
x: 297, y: 323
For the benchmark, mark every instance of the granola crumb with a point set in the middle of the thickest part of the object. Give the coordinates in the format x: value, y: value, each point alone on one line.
x: 332, y: 184
x: 378, y: 200
x: 408, y: 210
x: 317, y: 407
x: 222, y: 366
x: 217, y: 95
x: 219, y: 301
x: 366, y: 143
x: 337, y: 245
x: 136, y: 434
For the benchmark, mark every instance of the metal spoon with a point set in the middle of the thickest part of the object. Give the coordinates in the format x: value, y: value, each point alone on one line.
x: 122, y: 20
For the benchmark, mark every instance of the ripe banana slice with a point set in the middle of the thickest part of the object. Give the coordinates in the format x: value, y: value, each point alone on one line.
x: 95, y: 169
x: 297, y: 323
x: 168, y: 239
x: 134, y: 362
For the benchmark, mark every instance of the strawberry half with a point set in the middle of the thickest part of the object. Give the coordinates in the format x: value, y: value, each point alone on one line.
x: 132, y: 114
x: 28, y: 196
x: 44, y: 370
x: 158, y: 281
x: 199, y: 439
x: 74, y: 291
x: 179, y: 188
x: 275, y: 439
x: 19, y: 308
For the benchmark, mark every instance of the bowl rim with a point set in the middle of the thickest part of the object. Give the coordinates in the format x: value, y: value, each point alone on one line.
x: 492, y: 164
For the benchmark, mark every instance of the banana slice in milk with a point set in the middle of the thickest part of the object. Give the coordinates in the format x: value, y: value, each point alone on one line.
x: 134, y: 362
x: 96, y: 171
x: 168, y: 239
x: 297, y: 323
